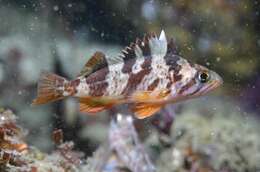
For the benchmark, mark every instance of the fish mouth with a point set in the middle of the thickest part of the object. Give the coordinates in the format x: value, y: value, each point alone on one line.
x: 213, y: 85
x: 216, y: 83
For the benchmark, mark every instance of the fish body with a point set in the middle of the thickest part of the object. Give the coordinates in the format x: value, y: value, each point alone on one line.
x: 147, y: 75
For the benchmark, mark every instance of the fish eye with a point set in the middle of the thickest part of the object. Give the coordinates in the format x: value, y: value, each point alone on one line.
x: 204, y: 77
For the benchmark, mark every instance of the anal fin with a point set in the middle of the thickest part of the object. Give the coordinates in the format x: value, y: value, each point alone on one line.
x: 144, y: 110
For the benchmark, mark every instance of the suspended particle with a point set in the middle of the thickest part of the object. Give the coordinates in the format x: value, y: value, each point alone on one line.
x: 56, y: 8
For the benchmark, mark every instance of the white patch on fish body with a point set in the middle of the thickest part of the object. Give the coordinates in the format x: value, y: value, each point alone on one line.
x: 159, y: 67
x: 159, y: 71
x: 187, y: 72
x: 65, y: 93
x: 138, y: 52
x: 62, y: 89
x: 147, y: 80
x: 137, y: 67
x: 116, y: 79
x: 83, y: 88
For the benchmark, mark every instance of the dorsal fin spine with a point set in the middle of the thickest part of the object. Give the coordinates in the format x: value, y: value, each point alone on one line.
x: 138, y: 51
x: 148, y: 46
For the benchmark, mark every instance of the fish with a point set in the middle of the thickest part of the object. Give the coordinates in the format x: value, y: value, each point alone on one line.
x: 147, y: 75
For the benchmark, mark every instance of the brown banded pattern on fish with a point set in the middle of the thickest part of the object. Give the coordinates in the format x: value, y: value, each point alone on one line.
x: 116, y: 79
x: 158, y: 48
x: 129, y: 58
x: 97, y: 82
x: 135, y: 79
x: 148, y: 74
x: 172, y: 61
x: 153, y: 85
x: 187, y: 87
x: 70, y: 88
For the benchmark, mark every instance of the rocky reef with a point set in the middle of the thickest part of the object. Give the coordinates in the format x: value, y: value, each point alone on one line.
x: 199, y: 139
x: 122, y: 151
x: 216, y: 137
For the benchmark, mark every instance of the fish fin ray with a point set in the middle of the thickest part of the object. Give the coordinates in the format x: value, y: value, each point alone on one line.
x: 96, y: 62
x: 147, y: 47
x: 90, y: 109
x: 94, y: 105
x: 47, y: 90
x: 158, y: 46
x: 144, y: 110
x: 141, y: 96
x: 150, y: 96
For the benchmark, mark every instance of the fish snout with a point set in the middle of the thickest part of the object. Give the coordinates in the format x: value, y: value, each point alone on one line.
x: 216, y: 80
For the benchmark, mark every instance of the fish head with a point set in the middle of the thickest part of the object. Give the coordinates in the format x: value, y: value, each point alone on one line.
x: 206, y: 81
x: 196, y: 80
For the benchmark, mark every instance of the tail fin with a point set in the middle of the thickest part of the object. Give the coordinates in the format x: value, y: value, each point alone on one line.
x: 49, y: 88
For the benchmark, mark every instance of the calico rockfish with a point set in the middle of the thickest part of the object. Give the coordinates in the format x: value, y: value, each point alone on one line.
x: 147, y: 75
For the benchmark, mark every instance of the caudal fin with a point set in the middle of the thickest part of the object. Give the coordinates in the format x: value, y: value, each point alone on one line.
x: 49, y: 88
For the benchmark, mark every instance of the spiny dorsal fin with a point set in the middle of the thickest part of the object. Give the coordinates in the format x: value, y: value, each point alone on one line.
x: 96, y: 62
x: 147, y: 47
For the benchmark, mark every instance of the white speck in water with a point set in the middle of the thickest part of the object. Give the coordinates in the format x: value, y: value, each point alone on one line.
x: 20, y: 92
x: 56, y: 8
x: 102, y: 34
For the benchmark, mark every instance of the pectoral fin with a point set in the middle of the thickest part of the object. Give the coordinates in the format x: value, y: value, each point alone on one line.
x: 91, y: 105
x: 151, y: 97
x: 141, y: 96
x: 144, y: 110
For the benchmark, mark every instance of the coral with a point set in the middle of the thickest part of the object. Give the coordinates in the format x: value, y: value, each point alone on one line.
x: 124, y: 140
x: 122, y: 151
x: 17, y: 156
x: 11, y: 139
x: 201, y: 138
